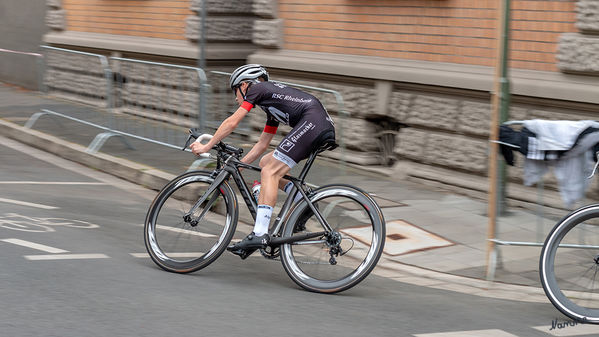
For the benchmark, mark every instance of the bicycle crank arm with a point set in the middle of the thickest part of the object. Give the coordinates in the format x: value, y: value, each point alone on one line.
x: 275, y: 242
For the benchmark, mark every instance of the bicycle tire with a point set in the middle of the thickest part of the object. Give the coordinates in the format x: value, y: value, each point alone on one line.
x: 569, y: 265
x: 360, y: 222
x: 173, y: 243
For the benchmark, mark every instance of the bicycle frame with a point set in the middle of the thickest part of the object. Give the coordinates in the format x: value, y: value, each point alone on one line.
x: 230, y: 168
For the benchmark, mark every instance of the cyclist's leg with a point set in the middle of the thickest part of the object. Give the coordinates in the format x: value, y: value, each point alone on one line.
x: 259, y: 238
x: 296, y: 146
x: 266, y: 159
x: 271, y: 176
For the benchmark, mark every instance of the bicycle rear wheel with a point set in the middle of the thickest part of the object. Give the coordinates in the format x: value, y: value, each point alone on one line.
x: 178, y: 244
x: 569, y: 265
x: 339, y: 260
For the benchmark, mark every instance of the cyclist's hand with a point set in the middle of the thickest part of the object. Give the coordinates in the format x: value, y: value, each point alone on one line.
x: 199, y: 148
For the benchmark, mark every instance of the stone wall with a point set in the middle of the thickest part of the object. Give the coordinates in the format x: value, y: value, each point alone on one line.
x: 76, y: 76
x: 237, y: 21
x: 579, y: 52
x: 55, y: 15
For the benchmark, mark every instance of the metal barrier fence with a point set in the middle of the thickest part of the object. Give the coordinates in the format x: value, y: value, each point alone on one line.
x: 77, y: 75
x: 150, y: 101
x: 157, y: 100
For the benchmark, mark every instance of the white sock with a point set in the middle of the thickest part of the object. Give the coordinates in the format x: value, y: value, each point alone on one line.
x: 262, y: 220
x: 287, y: 190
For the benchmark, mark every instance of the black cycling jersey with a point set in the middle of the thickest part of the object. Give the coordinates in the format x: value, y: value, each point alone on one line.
x: 281, y: 103
x: 303, y: 112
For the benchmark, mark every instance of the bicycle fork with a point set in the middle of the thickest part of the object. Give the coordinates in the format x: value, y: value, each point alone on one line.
x: 188, y: 217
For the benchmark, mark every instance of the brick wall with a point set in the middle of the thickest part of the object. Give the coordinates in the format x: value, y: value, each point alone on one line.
x: 148, y: 18
x: 455, y: 31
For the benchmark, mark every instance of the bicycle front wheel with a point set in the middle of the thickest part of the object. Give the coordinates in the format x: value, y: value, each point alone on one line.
x: 569, y: 265
x: 342, y: 258
x: 182, y: 241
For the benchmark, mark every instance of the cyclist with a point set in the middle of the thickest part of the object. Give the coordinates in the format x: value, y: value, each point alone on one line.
x: 311, y: 126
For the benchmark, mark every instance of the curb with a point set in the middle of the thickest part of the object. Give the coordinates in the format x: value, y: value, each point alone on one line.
x: 134, y: 172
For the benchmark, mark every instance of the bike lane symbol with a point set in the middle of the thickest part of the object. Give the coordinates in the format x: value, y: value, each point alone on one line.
x: 24, y: 223
x: 14, y: 221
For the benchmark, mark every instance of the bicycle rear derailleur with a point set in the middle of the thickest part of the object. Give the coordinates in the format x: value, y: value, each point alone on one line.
x: 334, y: 242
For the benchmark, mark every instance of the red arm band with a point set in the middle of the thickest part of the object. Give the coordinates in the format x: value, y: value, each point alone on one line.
x: 247, y: 105
x: 270, y: 129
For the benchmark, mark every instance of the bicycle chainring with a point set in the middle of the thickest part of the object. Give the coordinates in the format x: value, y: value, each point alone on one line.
x: 271, y: 252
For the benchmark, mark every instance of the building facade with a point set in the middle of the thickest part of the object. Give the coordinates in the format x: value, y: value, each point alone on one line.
x: 425, y: 63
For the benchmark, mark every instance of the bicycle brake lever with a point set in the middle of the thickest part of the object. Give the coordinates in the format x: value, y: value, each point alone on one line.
x: 187, y: 142
x: 194, y: 133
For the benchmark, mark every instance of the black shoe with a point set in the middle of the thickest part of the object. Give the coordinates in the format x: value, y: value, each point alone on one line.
x: 249, y: 244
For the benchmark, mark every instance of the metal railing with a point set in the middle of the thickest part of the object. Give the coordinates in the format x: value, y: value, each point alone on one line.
x: 155, y: 100
x: 150, y: 101
x: 145, y: 100
x: 61, y: 63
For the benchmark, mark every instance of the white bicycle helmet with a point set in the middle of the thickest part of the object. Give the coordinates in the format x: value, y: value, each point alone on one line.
x: 247, y: 72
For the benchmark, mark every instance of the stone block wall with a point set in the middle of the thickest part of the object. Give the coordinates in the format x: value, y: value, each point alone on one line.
x: 76, y: 76
x: 55, y: 15
x: 579, y: 52
x: 237, y: 21
x: 268, y: 30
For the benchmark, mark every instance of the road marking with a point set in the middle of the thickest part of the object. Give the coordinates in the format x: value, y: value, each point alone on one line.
x: 568, y: 328
x: 186, y: 231
x: 34, y: 245
x: 24, y: 203
x: 188, y: 254
x: 472, y: 333
x: 66, y: 257
x: 49, y: 183
x: 140, y: 255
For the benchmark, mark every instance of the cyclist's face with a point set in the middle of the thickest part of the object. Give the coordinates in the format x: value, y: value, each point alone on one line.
x: 238, y: 90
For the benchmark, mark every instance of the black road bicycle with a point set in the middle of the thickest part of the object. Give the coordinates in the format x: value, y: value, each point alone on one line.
x: 569, y: 264
x: 328, y: 241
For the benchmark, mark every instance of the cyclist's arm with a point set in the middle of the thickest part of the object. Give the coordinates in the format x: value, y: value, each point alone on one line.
x: 225, y: 129
x: 259, y: 148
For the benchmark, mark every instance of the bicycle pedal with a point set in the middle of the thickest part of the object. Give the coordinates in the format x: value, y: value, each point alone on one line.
x: 242, y: 253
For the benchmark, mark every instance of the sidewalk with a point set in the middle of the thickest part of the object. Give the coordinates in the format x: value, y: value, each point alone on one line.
x: 442, y: 236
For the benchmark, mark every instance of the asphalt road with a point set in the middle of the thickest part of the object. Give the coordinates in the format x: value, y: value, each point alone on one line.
x: 73, y: 264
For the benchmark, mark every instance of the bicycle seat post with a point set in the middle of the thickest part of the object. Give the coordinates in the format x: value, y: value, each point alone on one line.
x: 327, y: 145
x: 307, y: 166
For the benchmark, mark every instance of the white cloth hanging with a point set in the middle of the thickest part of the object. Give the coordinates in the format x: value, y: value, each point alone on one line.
x: 574, y: 166
x: 557, y: 135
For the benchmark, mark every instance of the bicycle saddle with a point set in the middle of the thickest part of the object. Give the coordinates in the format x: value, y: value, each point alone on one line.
x: 327, y: 145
